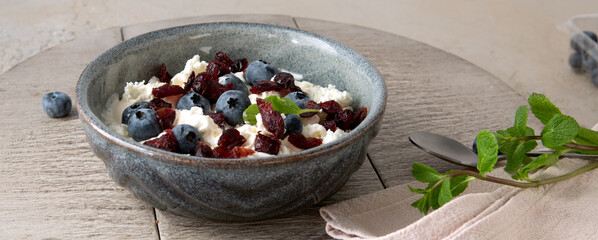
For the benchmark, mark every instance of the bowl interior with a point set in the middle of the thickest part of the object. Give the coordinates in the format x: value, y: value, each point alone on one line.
x: 320, y: 60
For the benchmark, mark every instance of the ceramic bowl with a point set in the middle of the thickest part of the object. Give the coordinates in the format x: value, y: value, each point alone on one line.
x: 230, y: 189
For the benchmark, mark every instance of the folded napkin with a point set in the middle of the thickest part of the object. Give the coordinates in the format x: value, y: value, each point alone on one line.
x: 562, y: 210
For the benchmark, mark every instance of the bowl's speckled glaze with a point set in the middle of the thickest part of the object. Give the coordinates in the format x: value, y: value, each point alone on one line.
x: 230, y: 189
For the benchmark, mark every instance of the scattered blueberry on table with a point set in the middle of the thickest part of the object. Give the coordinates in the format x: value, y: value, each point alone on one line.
x: 56, y: 104
x: 581, y: 60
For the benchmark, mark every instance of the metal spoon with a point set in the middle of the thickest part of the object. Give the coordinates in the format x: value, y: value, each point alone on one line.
x: 452, y: 151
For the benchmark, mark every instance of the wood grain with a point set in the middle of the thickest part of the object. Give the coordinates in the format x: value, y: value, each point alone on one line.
x: 51, y: 184
x: 428, y: 90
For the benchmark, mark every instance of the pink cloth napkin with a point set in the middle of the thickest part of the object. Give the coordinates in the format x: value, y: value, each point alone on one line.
x: 562, y: 210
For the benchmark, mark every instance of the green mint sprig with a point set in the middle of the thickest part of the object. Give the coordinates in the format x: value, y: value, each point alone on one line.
x: 282, y: 105
x: 561, y: 133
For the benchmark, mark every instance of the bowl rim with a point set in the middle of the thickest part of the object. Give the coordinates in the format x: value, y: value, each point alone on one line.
x: 101, y: 129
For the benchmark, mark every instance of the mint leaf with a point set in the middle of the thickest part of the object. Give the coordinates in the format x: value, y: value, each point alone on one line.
x: 423, y: 173
x: 417, y: 190
x: 250, y: 113
x: 518, y: 155
x: 559, y: 130
x: 444, y: 194
x: 542, y: 108
x: 487, y: 151
x: 281, y: 105
x: 459, y: 184
x: 541, y: 161
x: 423, y: 204
x: 521, y: 121
x: 587, y: 137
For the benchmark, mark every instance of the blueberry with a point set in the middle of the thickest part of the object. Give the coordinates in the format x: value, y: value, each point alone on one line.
x: 594, y: 77
x: 238, y: 84
x: 474, y: 147
x: 131, y: 109
x: 589, y: 63
x: 575, y: 61
x: 143, y: 124
x: 579, y: 39
x: 231, y: 104
x: 258, y: 71
x: 293, y: 124
x: 56, y: 104
x: 299, y: 98
x: 187, y: 137
x: 193, y: 99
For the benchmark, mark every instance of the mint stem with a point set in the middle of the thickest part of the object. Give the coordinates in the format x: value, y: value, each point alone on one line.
x: 570, y: 145
x: 525, y: 184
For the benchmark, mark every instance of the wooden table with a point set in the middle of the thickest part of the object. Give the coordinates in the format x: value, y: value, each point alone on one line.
x: 52, y: 186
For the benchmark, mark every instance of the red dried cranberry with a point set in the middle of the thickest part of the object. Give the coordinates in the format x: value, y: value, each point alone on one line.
x: 300, y: 141
x: 328, y: 124
x: 216, y: 69
x: 166, y: 117
x: 222, y: 57
x: 204, y: 150
x: 157, y: 103
x: 272, y: 119
x: 231, y: 138
x: 189, y: 83
x: 209, y: 87
x: 310, y: 105
x: 242, y: 152
x: 331, y: 107
x: 344, y: 119
x: 163, y: 74
x: 239, y: 65
x: 359, y: 117
x: 219, y: 119
x: 167, y: 90
x: 199, y: 82
x: 166, y: 142
x: 287, y: 81
x: 264, y: 86
x: 266, y: 144
x: 236, y: 152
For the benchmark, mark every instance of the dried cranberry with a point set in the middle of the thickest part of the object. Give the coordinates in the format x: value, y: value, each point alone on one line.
x: 264, y: 86
x: 300, y: 141
x: 167, y: 90
x: 157, y: 103
x: 167, y: 142
x: 231, y: 138
x: 208, y: 86
x: 236, y: 152
x: 163, y: 74
x: 328, y: 124
x: 287, y: 81
x: 222, y: 57
x: 219, y: 119
x: 241, y: 152
x: 359, y: 117
x: 204, y: 150
x: 166, y: 117
x: 239, y: 65
x: 344, y: 119
x: 216, y: 68
x: 310, y: 105
x: 266, y: 144
x: 189, y: 83
x: 331, y: 107
x: 272, y: 119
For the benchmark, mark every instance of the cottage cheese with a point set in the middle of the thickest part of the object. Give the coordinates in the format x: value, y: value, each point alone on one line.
x: 142, y: 91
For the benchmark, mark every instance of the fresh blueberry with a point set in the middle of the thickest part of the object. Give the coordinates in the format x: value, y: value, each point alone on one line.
x: 258, y: 71
x: 143, y: 124
x: 580, y: 39
x: 238, y: 84
x: 293, y: 124
x: 299, y: 98
x: 131, y: 109
x: 474, y: 147
x: 56, y: 104
x: 187, y: 137
x: 594, y: 77
x: 589, y: 63
x: 575, y: 61
x: 193, y: 99
x: 231, y: 104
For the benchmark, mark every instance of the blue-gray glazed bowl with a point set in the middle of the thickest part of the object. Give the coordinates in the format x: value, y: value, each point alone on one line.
x: 231, y: 189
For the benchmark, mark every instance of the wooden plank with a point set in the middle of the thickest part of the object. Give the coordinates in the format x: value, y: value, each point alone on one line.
x: 51, y: 184
x: 302, y: 224
x: 428, y: 90
x: 135, y: 30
